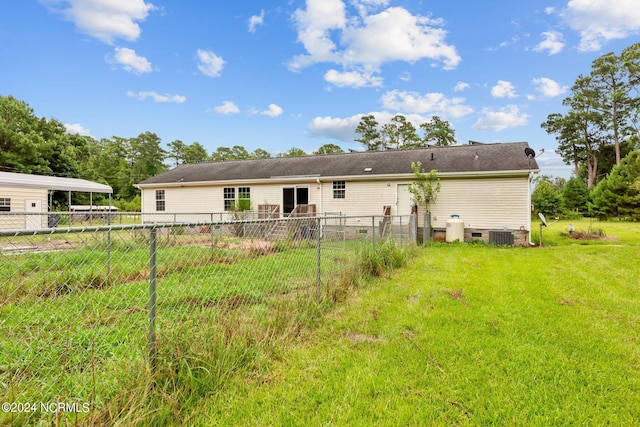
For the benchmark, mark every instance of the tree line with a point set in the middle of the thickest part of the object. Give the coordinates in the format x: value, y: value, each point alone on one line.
x: 599, y: 136
x: 35, y: 145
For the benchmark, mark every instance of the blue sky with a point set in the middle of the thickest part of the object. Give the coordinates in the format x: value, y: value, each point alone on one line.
x: 282, y: 74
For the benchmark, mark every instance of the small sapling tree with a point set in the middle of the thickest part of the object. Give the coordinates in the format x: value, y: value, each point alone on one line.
x: 424, y: 190
x: 426, y: 186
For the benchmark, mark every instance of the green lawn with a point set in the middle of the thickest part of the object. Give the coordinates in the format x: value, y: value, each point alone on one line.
x: 465, y: 335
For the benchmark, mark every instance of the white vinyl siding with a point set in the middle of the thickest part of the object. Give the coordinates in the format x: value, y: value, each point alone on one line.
x: 18, y: 197
x: 484, y: 203
x: 494, y: 204
x: 363, y: 198
x: 209, y: 198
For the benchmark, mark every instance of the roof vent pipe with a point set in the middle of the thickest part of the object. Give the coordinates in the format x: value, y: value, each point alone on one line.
x: 431, y: 156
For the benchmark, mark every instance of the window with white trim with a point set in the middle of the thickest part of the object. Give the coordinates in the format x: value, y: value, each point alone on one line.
x: 339, y: 189
x: 242, y: 201
x: 229, y: 198
x: 160, y: 200
x: 5, y: 204
x: 244, y: 198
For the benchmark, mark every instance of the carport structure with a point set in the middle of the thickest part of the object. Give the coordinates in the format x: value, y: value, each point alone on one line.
x: 32, y: 194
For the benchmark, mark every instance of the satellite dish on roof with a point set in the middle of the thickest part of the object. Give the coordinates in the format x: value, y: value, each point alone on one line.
x: 542, y: 218
x: 530, y: 152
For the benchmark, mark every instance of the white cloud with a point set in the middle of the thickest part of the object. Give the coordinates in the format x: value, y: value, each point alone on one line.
x: 77, y: 128
x: 130, y: 61
x: 227, y: 107
x: 256, y: 20
x: 314, y: 26
x: 273, y: 111
x: 549, y: 88
x: 503, y: 118
x: 366, y: 6
x: 367, y: 41
x: 396, y: 35
x: 342, y: 129
x: 460, y: 86
x: 429, y: 103
x: 503, y: 89
x: 210, y: 64
x: 156, y: 97
x: 553, y: 43
x: 599, y: 21
x: 102, y: 19
x: 352, y: 79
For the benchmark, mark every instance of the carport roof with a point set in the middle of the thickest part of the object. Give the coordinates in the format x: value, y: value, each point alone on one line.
x: 21, y: 180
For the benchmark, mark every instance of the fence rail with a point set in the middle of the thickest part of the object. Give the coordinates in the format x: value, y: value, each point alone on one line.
x: 83, y: 307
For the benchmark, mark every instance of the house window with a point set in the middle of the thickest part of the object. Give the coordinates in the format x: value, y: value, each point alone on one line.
x: 5, y: 204
x: 243, y: 202
x: 244, y: 198
x: 229, y: 198
x: 160, y: 200
x: 339, y: 189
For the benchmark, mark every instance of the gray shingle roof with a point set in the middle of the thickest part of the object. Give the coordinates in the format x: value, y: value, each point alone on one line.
x: 475, y: 157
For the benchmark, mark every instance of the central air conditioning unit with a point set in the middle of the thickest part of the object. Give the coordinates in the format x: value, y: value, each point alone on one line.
x: 501, y: 238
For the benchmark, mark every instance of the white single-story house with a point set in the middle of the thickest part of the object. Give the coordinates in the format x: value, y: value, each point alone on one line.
x: 487, y: 185
x: 25, y: 198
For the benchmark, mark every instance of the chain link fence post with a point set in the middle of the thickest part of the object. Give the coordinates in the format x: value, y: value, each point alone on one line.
x: 373, y: 232
x: 318, y: 255
x: 151, y: 349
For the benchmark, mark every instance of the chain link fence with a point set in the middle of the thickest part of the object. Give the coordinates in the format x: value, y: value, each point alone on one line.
x: 85, y: 310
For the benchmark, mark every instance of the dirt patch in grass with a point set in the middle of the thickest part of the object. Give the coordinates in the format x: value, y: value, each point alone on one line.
x: 227, y: 302
x: 52, y: 245
x: 361, y: 338
x: 590, y: 234
x: 458, y: 295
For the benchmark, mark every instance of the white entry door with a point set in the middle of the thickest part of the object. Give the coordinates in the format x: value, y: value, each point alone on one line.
x: 405, y: 200
x: 33, y: 206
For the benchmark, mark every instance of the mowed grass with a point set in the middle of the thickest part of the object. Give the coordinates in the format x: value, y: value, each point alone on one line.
x: 466, y: 335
